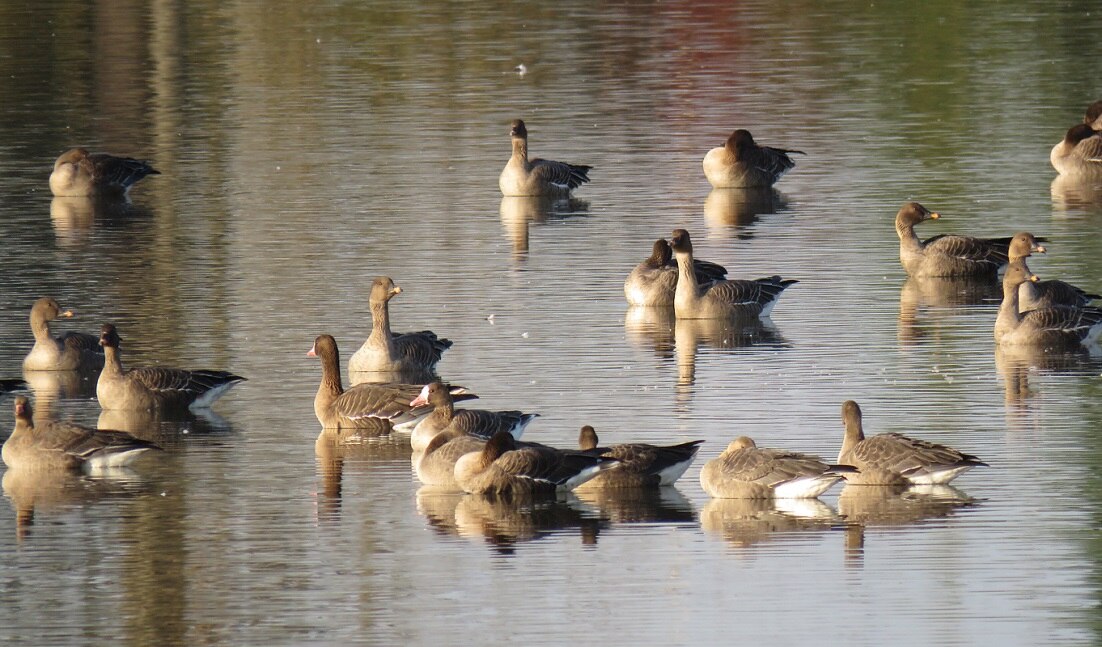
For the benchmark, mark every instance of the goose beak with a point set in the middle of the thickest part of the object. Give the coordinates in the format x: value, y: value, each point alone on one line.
x: 67, y: 314
x: 934, y: 215
x: 396, y: 290
x: 311, y: 353
x: 1039, y: 249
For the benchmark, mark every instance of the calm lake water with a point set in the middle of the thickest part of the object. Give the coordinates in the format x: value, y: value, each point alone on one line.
x: 307, y: 149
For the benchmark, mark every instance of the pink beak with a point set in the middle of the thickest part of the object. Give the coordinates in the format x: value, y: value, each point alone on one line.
x: 311, y: 353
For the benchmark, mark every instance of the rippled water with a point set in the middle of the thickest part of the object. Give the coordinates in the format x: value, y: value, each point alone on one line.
x: 306, y: 150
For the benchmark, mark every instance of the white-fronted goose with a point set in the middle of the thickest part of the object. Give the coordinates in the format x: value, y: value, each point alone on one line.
x: 741, y: 163
x: 1043, y: 294
x: 365, y: 410
x: 504, y: 469
x: 745, y: 471
x: 654, y: 281
x: 50, y: 444
x: 523, y: 176
x: 471, y: 422
x: 641, y: 464
x: 155, y: 388
x: 1051, y: 326
x: 1079, y: 152
x: 386, y: 351
x: 895, y: 459
x: 945, y: 255
x: 720, y: 299
x: 73, y: 351
x: 436, y: 464
x: 78, y: 173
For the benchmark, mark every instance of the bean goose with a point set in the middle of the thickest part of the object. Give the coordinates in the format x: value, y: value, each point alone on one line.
x: 945, y: 255
x: 78, y: 173
x: 641, y: 465
x: 1079, y: 153
x: 522, y: 176
x: 73, y: 351
x: 745, y: 471
x: 155, y: 388
x: 654, y: 281
x: 720, y: 299
x: 895, y: 459
x: 504, y: 469
x: 741, y: 163
x: 63, y: 445
x: 436, y: 464
x: 1043, y: 294
x: 470, y: 422
x: 386, y: 351
x: 1051, y: 326
x: 365, y: 410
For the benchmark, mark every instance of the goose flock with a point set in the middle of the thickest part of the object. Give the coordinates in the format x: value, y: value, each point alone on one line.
x: 394, y: 387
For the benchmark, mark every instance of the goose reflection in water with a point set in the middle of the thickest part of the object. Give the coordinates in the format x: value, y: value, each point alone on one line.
x: 743, y: 523
x: 1071, y: 193
x: 651, y: 329
x: 719, y: 336
x: 639, y: 505
x: 55, y: 386
x: 32, y: 491
x: 922, y: 298
x: 736, y: 209
x: 167, y: 429
x: 391, y: 452
x: 74, y: 218
x: 518, y: 212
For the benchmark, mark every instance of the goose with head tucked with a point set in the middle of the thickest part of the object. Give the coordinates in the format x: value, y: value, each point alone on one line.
x: 435, y: 464
x: 471, y: 422
x: 155, y: 388
x: 1053, y: 326
x: 745, y: 471
x: 503, y: 468
x: 1043, y: 294
x: 1079, y: 152
x: 537, y: 177
x: 78, y: 173
x: 742, y: 163
x: 390, y: 352
x: 946, y: 255
x: 654, y: 281
x: 724, y: 299
x: 72, y: 351
x: 641, y: 464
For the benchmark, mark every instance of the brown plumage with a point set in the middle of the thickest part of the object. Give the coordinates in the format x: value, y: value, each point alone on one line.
x: 504, y: 469
x: 1043, y: 294
x: 745, y: 471
x: 654, y: 281
x: 535, y: 177
x: 1079, y: 152
x: 411, y: 355
x: 472, y: 422
x: 436, y: 464
x: 1055, y: 326
x: 945, y: 254
x: 742, y: 163
x: 78, y: 173
x: 72, y: 351
x: 641, y: 464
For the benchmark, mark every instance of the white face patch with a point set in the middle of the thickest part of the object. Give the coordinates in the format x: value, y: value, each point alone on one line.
x: 424, y: 392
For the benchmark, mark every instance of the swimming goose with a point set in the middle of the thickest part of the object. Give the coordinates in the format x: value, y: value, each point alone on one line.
x: 522, y: 176
x: 641, y: 465
x: 1051, y: 326
x: 364, y: 410
x: 386, y: 351
x: 73, y: 351
x: 155, y: 388
x: 78, y: 173
x: 1043, y: 294
x: 504, y: 469
x: 654, y: 281
x: 895, y: 459
x: 720, y: 299
x: 945, y: 254
x: 1079, y: 153
x: 741, y: 163
x: 745, y: 471
x: 436, y: 464
x: 471, y: 422
x: 63, y: 445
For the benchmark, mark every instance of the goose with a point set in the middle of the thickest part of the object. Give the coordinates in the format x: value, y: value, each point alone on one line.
x: 470, y: 422
x: 1043, y: 294
x: 435, y: 465
x: 1093, y: 116
x: 73, y: 351
x: 1079, y: 153
x: 895, y: 459
x: 365, y: 410
x: 745, y: 471
x: 1051, y: 326
x: 741, y: 163
x: 945, y: 255
x: 155, y: 388
x: 720, y: 299
x: 504, y: 469
x: 524, y: 177
x: 49, y: 444
x: 641, y: 465
x: 386, y: 351
x: 654, y: 281
x: 78, y: 173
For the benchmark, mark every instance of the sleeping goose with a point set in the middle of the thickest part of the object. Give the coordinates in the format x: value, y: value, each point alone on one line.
x: 895, y: 459
x: 386, y: 351
x: 470, y: 422
x: 720, y: 299
x: 654, y: 281
x: 1093, y: 116
x: 504, y: 469
x: 745, y: 471
x: 435, y: 465
x: 945, y: 255
x: 1079, y: 153
x: 641, y: 464
x: 155, y: 388
x: 78, y: 173
x: 524, y: 177
x: 741, y: 163
x: 1051, y: 326
x: 1043, y: 294
x: 73, y: 351
x: 47, y: 444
